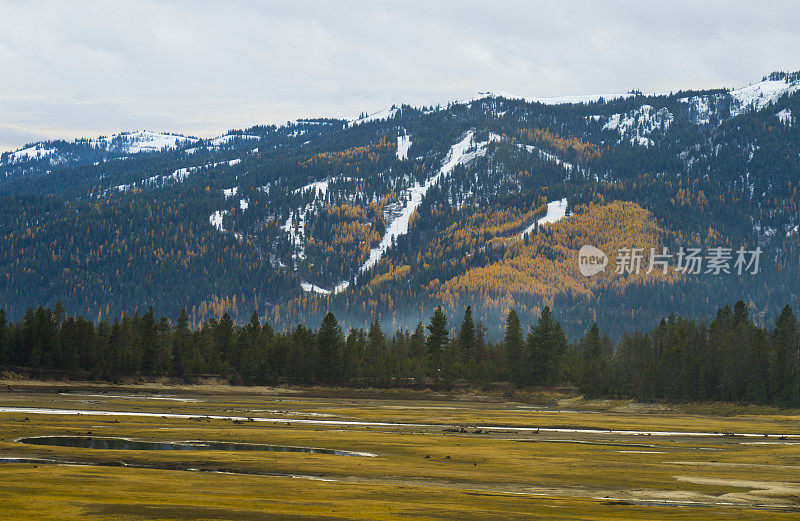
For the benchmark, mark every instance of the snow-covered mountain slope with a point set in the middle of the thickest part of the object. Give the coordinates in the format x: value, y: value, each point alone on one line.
x: 464, y: 151
x: 140, y: 141
x: 31, y: 153
x: 375, y: 116
x: 123, y: 143
x: 553, y: 100
x: 637, y: 126
x: 753, y: 97
x: 385, y: 209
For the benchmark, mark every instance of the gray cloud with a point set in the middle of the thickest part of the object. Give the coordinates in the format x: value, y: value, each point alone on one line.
x: 201, y: 67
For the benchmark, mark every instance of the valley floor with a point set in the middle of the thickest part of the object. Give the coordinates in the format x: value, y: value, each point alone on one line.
x: 400, y: 455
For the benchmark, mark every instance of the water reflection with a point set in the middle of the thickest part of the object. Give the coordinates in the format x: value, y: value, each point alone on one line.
x: 107, y: 443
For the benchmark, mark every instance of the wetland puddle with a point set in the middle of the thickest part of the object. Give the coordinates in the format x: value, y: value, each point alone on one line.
x: 108, y: 443
x: 131, y: 397
x: 477, y: 489
x: 357, y: 423
x: 155, y: 466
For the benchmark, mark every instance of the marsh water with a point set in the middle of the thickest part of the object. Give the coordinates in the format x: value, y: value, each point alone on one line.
x: 107, y: 443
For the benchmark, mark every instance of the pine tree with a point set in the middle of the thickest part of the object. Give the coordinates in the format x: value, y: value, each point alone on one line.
x: 483, y: 361
x: 758, y: 368
x: 516, y: 361
x: 301, y: 362
x: 182, y: 360
x: 4, y: 347
x: 163, y: 355
x: 594, y: 374
x: 147, y: 340
x: 330, y: 345
x: 375, y: 360
x: 556, y: 362
x: 466, y: 340
x: 437, y: 339
x: 784, y: 358
x: 419, y: 357
x: 224, y: 346
x: 351, y: 362
x: 254, y: 367
x: 541, y: 349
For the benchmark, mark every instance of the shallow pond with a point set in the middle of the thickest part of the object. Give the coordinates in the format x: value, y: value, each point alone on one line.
x: 107, y: 443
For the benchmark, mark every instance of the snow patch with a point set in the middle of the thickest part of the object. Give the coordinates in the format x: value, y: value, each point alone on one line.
x: 31, y: 153
x: 556, y: 210
x: 297, y: 234
x: 141, y: 141
x: 552, y: 100
x: 753, y: 97
x: 785, y: 117
x: 244, y: 204
x: 549, y: 157
x: 459, y: 154
x: 638, y: 124
x: 230, y: 192
x: 227, y: 138
x: 759, y: 95
x: 308, y: 287
x: 317, y: 188
x: 403, y: 144
x: 178, y: 176
x: 375, y: 116
x: 216, y: 219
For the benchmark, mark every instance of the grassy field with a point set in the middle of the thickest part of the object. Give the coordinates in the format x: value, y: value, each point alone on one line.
x: 433, y: 456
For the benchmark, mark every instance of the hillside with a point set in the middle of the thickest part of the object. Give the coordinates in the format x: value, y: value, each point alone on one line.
x: 483, y: 202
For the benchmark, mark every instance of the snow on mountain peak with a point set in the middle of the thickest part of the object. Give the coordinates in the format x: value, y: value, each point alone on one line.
x: 375, y: 116
x: 758, y: 95
x: 31, y: 153
x: 550, y: 100
x: 141, y: 141
x: 753, y: 97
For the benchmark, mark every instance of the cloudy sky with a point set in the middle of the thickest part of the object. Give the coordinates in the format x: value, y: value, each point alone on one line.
x: 70, y: 69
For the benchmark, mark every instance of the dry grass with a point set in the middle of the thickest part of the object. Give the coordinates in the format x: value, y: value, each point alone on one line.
x: 419, y: 472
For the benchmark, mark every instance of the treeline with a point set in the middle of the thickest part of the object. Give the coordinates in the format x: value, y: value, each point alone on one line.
x: 730, y: 359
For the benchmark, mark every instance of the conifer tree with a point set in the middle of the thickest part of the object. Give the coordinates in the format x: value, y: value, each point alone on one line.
x: 351, y: 360
x: 517, y: 362
x: 593, y: 383
x: 4, y: 351
x: 330, y: 343
x: 375, y: 360
x: 437, y: 339
x: 224, y: 346
x: 419, y: 356
x: 466, y: 340
x: 784, y: 364
x: 181, y: 338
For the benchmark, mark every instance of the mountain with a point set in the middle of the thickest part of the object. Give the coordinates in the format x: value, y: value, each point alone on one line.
x: 483, y: 202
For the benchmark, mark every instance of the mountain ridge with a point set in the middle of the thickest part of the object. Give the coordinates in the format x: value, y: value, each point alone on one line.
x: 387, y: 214
x: 775, y: 77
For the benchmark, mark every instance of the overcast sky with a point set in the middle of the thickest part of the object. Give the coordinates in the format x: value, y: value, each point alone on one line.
x: 70, y: 69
